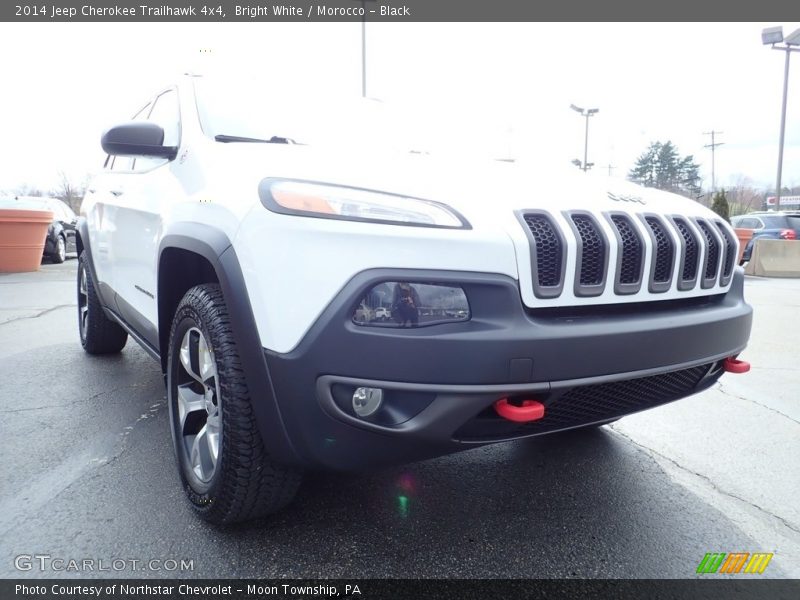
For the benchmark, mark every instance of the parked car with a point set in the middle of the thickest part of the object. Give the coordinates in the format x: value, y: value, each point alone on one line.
x: 767, y: 225
x: 240, y: 247
x: 61, y: 233
x: 383, y: 313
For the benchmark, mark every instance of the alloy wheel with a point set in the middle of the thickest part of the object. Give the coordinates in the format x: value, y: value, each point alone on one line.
x: 199, y: 406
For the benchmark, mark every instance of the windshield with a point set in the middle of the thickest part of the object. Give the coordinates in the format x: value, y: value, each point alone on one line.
x: 252, y: 111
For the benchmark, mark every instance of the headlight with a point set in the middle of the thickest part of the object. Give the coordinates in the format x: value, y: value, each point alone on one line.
x: 409, y: 304
x: 354, y: 204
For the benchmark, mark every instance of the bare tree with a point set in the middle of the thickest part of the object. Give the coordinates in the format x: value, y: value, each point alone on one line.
x: 743, y: 197
x: 70, y: 192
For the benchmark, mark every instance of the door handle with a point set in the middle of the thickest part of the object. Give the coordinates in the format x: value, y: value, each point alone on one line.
x: 117, y: 192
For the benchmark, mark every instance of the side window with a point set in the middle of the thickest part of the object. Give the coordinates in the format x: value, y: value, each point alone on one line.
x: 746, y: 223
x: 121, y: 163
x: 165, y: 113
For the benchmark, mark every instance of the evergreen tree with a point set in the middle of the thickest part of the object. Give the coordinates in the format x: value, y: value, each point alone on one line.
x: 720, y: 205
x: 662, y: 167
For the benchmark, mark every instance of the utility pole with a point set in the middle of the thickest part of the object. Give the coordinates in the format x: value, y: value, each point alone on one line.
x: 610, y: 168
x: 713, y: 145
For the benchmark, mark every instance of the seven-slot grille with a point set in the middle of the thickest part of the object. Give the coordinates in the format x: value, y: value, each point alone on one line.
x: 683, y: 251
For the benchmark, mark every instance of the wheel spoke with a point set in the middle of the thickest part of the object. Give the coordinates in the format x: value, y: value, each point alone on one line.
x: 205, y: 361
x: 201, y: 457
x: 84, y: 316
x: 188, y: 402
x: 189, y: 354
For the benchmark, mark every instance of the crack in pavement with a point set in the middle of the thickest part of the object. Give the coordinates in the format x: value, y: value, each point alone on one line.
x: 68, y: 404
x: 62, y: 477
x: 37, y: 315
x: 732, y: 395
x: 649, y: 450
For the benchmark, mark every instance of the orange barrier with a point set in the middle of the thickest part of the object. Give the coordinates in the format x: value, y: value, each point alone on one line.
x: 22, y: 235
x: 744, y: 235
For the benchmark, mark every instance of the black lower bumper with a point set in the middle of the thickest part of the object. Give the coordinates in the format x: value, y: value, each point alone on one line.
x: 586, y: 365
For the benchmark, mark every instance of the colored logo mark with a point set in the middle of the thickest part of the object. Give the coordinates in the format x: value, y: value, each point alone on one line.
x: 734, y: 563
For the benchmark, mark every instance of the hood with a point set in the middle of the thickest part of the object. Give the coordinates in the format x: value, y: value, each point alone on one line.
x: 470, y: 186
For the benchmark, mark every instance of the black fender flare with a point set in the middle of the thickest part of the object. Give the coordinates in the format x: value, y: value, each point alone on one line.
x: 83, y: 244
x: 215, y: 247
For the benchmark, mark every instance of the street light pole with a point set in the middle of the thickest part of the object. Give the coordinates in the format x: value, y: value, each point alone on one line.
x: 586, y: 144
x: 584, y: 113
x: 364, y: 49
x: 774, y: 36
x: 783, y: 129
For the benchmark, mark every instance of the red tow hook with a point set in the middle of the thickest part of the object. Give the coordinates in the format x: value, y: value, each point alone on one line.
x: 531, y: 410
x: 734, y: 365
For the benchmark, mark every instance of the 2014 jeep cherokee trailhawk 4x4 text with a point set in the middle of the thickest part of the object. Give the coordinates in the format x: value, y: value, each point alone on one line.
x: 340, y: 307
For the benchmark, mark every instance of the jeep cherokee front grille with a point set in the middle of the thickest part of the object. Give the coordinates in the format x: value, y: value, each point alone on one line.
x: 627, y: 254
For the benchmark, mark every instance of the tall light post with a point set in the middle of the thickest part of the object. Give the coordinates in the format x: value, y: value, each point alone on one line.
x: 364, y: 47
x: 773, y: 36
x: 584, y: 113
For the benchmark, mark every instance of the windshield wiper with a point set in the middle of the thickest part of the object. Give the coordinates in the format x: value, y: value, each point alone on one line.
x: 237, y: 138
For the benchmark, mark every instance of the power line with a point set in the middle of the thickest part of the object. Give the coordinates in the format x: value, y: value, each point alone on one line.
x: 713, y: 145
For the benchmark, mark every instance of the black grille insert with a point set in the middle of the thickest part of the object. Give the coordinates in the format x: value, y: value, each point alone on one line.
x: 630, y: 266
x: 592, y: 252
x: 663, y: 252
x: 590, y: 404
x: 712, y: 256
x: 548, y: 250
x: 691, y: 251
x: 730, y: 253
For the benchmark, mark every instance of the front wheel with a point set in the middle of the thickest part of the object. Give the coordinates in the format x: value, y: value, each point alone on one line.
x: 224, y: 468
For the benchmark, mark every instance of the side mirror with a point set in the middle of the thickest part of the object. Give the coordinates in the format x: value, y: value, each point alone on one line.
x: 137, y: 138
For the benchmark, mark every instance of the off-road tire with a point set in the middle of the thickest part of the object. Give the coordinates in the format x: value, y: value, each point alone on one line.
x: 98, y: 333
x: 246, y: 483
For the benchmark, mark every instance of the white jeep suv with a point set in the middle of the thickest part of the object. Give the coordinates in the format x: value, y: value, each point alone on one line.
x: 341, y: 306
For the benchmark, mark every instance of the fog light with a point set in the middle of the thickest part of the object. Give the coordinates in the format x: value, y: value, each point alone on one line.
x: 367, y: 401
x: 412, y: 304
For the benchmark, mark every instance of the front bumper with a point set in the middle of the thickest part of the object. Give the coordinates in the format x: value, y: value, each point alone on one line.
x: 587, y: 365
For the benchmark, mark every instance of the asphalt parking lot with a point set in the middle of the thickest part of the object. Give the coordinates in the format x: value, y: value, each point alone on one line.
x: 88, y: 473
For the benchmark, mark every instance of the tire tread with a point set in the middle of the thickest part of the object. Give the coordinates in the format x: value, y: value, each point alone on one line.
x: 103, y: 336
x: 251, y: 485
